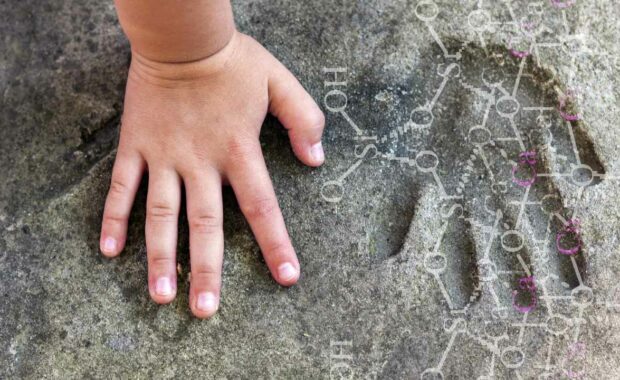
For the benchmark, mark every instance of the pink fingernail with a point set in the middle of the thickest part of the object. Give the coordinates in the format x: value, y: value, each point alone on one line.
x: 317, y: 151
x: 287, y: 272
x: 206, y: 302
x: 109, y: 245
x: 163, y: 286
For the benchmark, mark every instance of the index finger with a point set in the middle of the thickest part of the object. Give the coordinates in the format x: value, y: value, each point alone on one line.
x: 250, y: 180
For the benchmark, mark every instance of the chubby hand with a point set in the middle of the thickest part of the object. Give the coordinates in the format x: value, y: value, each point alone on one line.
x: 198, y: 123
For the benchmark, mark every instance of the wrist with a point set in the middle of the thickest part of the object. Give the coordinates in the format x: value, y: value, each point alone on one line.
x: 176, y: 31
x: 174, y: 74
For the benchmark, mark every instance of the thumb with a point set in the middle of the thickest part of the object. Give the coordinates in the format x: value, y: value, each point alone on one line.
x: 299, y: 114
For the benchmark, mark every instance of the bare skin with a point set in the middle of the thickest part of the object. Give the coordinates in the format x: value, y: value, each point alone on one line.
x: 192, y: 115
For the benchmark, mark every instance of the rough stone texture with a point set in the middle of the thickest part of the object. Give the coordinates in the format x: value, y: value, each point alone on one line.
x: 375, y: 257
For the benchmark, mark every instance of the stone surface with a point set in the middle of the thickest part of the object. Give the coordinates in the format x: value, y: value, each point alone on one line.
x: 404, y: 271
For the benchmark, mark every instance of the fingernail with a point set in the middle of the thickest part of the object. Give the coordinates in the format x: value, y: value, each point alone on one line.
x: 109, y: 245
x: 317, y: 151
x: 206, y: 302
x: 287, y: 272
x: 163, y: 287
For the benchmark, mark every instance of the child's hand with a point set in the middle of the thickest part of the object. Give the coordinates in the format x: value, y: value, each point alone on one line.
x: 198, y: 124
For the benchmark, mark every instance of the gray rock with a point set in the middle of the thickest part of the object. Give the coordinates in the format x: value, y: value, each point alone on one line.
x: 412, y: 237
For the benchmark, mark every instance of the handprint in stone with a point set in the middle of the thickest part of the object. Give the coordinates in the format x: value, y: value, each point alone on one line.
x: 493, y: 144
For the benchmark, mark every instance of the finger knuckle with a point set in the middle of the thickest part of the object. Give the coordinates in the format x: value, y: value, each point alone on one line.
x: 118, y: 188
x: 316, y: 119
x: 114, y: 217
x: 161, y: 212
x: 260, y: 208
x: 205, y: 271
x: 240, y: 149
x: 281, y: 249
x: 161, y: 260
x: 205, y: 222
x: 199, y: 151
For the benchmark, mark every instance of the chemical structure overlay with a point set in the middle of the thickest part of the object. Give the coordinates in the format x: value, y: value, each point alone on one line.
x: 497, y: 144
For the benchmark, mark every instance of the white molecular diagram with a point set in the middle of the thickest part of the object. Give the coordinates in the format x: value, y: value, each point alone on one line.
x: 539, y: 300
